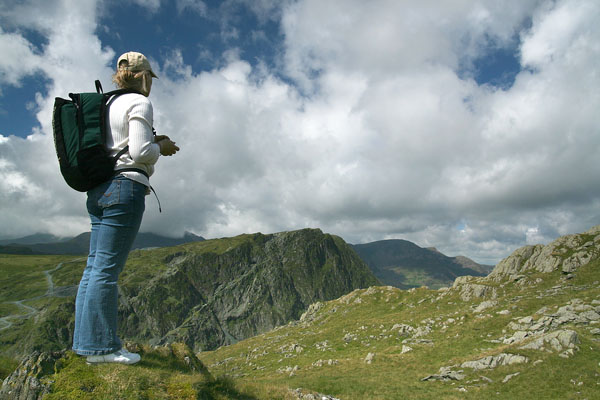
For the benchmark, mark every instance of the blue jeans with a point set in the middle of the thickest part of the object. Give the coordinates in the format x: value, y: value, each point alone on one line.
x: 116, y: 208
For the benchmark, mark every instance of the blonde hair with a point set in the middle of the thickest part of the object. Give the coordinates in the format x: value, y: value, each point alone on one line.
x: 136, y: 80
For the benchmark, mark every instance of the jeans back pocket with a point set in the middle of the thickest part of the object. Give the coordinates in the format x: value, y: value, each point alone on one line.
x: 112, y: 195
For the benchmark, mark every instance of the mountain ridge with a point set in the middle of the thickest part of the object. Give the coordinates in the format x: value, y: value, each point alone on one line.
x: 50, y: 244
x: 204, y: 293
x: 405, y: 265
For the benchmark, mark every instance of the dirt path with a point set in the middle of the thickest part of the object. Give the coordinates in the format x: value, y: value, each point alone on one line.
x: 51, y: 291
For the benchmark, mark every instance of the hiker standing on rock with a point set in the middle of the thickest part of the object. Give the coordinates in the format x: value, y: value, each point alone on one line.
x: 116, y: 208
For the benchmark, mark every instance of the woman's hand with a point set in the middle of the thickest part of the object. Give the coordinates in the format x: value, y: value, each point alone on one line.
x: 167, y: 146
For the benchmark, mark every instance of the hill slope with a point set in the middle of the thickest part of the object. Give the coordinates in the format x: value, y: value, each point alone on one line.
x: 534, y: 323
x: 530, y: 330
x: 204, y: 294
x: 405, y: 265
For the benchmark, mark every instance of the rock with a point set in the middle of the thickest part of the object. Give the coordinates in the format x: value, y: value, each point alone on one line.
x: 320, y: 363
x: 577, y: 260
x: 485, y: 305
x: 348, y: 337
x: 445, y: 374
x: 422, y: 331
x: 470, y: 291
x: 238, y: 288
x: 405, y: 349
x: 590, y: 315
x: 557, y: 340
x: 509, y: 377
x: 495, y: 361
x: 550, y: 258
x: 403, y: 329
x: 323, y: 346
x: 514, y: 264
x: 310, y: 314
x: 26, y: 383
x: 567, y: 353
x: 517, y: 337
x: 369, y: 358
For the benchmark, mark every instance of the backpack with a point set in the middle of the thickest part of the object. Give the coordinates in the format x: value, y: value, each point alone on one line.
x: 79, y: 128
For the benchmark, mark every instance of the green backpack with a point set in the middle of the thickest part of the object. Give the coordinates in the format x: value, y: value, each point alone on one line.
x: 79, y: 128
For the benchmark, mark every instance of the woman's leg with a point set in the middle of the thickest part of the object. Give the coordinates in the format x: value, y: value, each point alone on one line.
x: 119, y: 209
x: 81, y: 291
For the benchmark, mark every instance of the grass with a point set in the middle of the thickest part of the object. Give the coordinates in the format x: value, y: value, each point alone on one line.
x: 163, y: 373
x: 344, y: 331
x: 265, y: 361
x: 22, y: 277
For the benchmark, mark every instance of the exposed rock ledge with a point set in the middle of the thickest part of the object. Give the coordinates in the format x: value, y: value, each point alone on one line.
x: 566, y: 253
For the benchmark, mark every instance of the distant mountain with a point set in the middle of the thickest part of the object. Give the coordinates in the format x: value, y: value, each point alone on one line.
x: 33, y: 239
x: 405, y: 265
x: 49, y: 244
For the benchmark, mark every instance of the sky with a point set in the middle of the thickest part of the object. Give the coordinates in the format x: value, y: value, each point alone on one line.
x: 472, y: 126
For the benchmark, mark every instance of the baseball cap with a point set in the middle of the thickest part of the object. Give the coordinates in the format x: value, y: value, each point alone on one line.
x: 136, y: 62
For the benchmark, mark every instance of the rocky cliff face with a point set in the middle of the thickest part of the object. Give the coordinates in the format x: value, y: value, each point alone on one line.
x: 208, y: 297
x: 566, y: 254
x: 527, y: 266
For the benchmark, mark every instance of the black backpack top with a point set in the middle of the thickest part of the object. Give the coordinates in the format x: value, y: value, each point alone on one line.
x: 79, y: 128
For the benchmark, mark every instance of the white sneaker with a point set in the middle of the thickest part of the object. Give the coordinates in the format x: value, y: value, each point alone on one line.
x: 121, y: 356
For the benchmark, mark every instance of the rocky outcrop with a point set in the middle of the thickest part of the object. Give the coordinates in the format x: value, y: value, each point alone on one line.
x: 495, y: 361
x: 27, y: 381
x: 215, y: 292
x: 207, y: 299
x: 566, y: 254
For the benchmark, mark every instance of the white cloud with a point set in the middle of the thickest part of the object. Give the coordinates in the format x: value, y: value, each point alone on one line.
x: 197, y: 6
x: 18, y: 58
x: 380, y: 137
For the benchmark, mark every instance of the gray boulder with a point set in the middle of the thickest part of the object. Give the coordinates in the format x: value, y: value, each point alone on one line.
x: 490, y: 362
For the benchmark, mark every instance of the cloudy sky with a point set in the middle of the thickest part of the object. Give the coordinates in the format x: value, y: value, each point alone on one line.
x: 468, y: 125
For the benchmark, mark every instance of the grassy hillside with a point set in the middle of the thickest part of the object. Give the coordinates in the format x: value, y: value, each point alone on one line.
x: 380, y: 343
x: 328, y: 350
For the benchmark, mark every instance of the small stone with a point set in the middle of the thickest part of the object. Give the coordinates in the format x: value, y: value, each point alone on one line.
x: 405, y: 349
x: 567, y: 353
x: 509, y: 377
x: 369, y: 358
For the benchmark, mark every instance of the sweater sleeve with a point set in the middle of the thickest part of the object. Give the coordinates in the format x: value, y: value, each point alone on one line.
x: 142, y: 148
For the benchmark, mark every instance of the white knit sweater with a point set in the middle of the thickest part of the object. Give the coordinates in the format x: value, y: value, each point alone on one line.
x: 129, y: 122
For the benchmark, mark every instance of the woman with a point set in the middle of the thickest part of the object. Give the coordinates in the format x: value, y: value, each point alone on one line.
x: 116, y: 208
